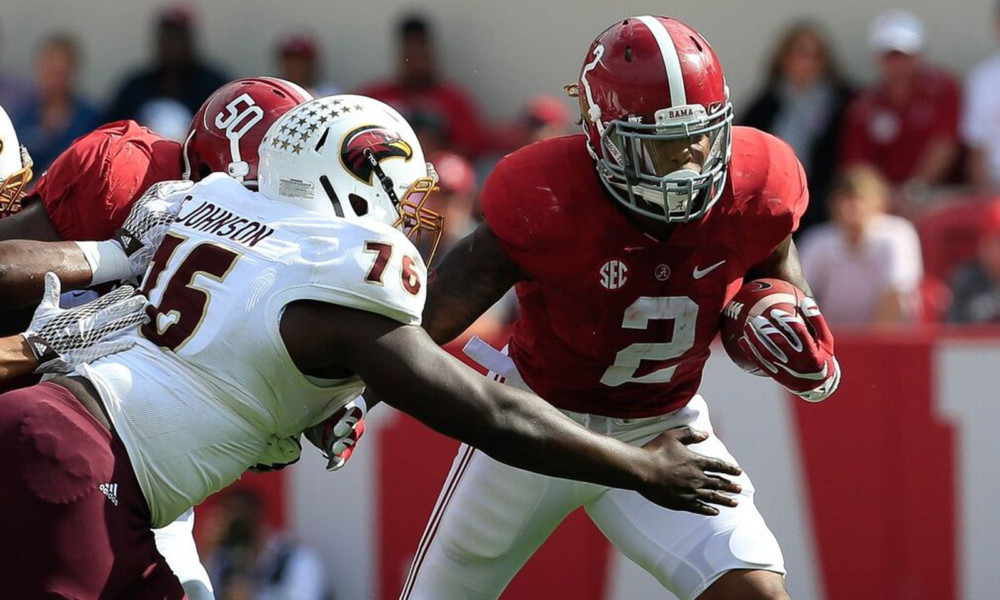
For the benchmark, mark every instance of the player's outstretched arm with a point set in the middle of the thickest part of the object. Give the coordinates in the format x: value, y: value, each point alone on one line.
x: 470, y: 279
x: 408, y: 370
x: 23, y: 264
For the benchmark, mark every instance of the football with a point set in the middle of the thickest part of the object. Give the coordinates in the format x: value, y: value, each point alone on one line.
x: 753, y: 299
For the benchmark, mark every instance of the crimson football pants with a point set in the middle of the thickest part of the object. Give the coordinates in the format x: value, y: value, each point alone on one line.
x: 74, y: 522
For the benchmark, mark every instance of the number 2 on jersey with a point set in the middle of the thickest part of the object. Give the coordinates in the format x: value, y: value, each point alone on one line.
x: 183, y: 304
x: 684, y: 313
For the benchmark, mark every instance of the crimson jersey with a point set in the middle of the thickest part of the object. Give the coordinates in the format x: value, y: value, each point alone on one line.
x: 614, y: 322
x: 90, y: 188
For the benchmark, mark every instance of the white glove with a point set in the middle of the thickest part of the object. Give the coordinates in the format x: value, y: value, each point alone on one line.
x: 62, y: 338
x: 148, y: 222
x: 337, y: 436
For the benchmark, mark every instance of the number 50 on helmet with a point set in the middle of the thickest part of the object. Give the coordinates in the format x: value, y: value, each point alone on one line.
x: 657, y: 116
x: 351, y: 157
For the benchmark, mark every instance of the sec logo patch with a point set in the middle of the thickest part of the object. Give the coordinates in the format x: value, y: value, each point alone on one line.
x: 614, y: 274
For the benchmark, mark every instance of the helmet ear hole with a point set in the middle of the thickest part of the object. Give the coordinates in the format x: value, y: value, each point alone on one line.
x: 359, y: 204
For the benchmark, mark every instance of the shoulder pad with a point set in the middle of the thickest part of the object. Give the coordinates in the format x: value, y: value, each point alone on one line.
x: 367, y: 266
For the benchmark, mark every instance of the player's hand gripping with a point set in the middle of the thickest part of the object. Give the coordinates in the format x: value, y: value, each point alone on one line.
x: 795, y: 350
x: 337, y: 436
x: 685, y: 480
x: 62, y: 338
x: 147, y: 223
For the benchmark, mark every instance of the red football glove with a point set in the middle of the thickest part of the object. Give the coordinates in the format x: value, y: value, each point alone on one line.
x: 339, y: 434
x: 795, y: 352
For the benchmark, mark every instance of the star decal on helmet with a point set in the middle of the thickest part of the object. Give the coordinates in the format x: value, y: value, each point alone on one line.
x: 380, y: 142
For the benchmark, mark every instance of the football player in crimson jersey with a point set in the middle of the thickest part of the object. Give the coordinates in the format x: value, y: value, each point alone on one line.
x: 622, y: 272
x: 88, y: 193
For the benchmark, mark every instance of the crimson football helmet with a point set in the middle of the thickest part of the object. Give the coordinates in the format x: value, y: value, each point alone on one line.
x: 227, y: 131
x: 656, y: 107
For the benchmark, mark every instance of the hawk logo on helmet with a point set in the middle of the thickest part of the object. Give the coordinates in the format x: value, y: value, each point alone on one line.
x: 383, y: 145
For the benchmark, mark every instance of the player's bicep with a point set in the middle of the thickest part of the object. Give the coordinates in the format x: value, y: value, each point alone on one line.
x: 399, y: 362
x: 470, y: 279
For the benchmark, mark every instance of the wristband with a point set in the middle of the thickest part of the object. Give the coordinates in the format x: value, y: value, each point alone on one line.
x: 107, y: 260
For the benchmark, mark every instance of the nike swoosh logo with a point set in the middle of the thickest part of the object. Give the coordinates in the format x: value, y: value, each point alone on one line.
x: 699, y: 273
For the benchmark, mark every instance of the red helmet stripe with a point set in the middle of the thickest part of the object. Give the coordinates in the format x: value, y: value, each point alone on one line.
x: 671, y: 62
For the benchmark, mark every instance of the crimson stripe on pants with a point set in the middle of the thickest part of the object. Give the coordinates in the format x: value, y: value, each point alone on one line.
x: 435, y: 521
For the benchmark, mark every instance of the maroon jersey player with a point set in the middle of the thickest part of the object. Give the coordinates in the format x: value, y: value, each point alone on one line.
x: 622, y: 272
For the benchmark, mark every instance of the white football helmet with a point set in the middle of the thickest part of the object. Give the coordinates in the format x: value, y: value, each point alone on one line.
x: 15, y: 167
x: 351, y: 157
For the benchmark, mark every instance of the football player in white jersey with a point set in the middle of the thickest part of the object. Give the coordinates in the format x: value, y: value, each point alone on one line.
x: 269, y: 310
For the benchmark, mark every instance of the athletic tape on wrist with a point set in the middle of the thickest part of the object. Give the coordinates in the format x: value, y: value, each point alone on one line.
x: 107, y: 260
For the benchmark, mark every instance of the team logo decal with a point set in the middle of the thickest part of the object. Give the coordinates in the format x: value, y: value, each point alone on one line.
x: 613, y: 274
x: 662, y: 272
x: 383, y: 145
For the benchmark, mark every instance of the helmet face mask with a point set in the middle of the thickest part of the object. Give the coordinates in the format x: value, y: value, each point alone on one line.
x: 352, y: 157
x: 420, y: 224
x: 657, y: 115
x: 637, y: 167
x: 15, y: 168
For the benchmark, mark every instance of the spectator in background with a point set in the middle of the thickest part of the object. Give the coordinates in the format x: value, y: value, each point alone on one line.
x: 298, y: 61
x: 865, y: 265
x: 981, y: 120
x: 251, y: 562
x: 177, y: 72
x: 906, y: 124
x: 56, y: 115
x: 543, y: 117
x: 418, y: 91
x: 975, y: 287
x: 15, y: 92
x: 803, y: 103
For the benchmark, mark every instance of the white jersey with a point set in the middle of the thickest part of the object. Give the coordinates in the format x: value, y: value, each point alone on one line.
x: 209, y: 388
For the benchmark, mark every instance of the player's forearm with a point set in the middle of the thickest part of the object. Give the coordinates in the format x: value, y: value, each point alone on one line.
x: 783, y: 264
x: 510, y: 425
x: 23, y: 265
x: 16, y: 358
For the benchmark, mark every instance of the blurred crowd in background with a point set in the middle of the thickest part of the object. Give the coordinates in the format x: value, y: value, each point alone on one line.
x: 903, y: 226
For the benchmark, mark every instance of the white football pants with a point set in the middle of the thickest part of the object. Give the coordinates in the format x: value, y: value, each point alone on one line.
x: 490, y: 518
